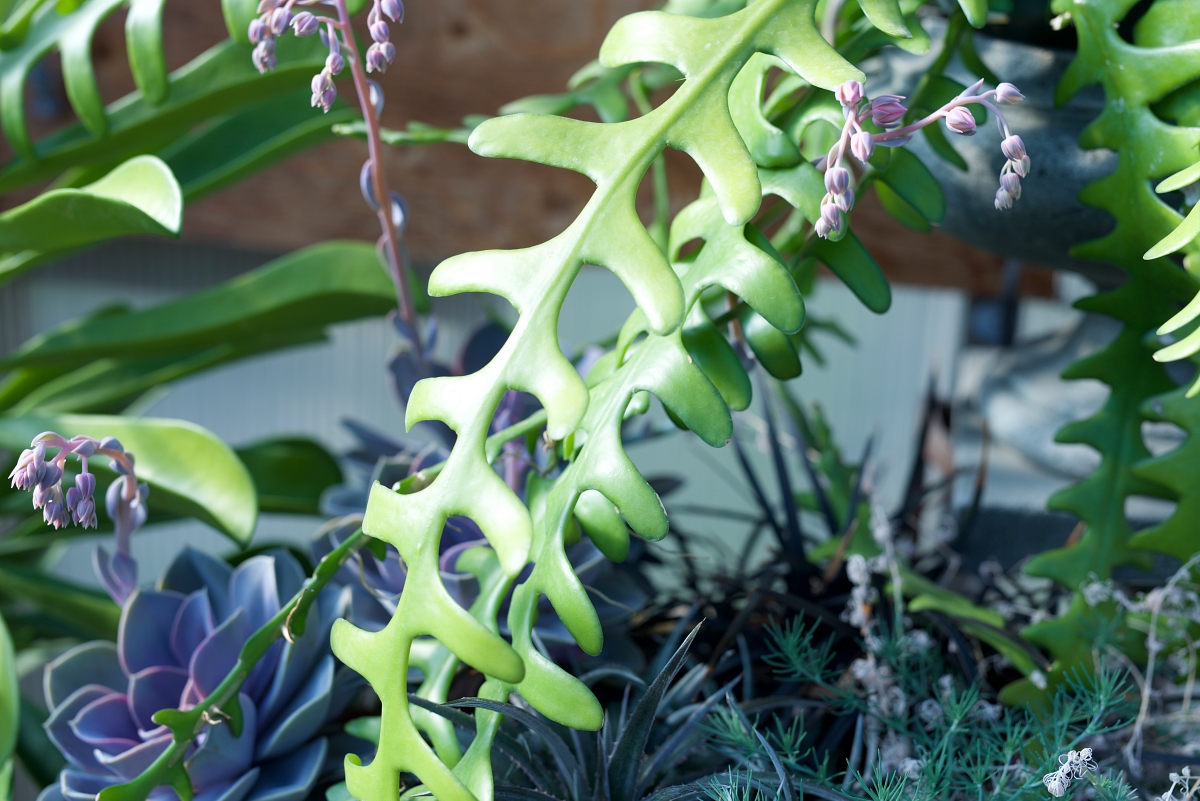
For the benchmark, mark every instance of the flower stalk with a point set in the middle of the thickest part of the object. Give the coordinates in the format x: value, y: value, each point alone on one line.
x: 887, y: 112
x: 275, y: 18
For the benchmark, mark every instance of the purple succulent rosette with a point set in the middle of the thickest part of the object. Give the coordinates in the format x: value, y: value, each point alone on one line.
x: 175, y: 644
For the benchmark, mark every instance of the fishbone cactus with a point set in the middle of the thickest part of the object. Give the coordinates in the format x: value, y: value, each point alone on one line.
x: 696, y: 119
x: 1164, y: 57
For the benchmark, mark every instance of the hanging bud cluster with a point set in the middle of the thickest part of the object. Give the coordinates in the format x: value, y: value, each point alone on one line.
x: 887, y: 112
x: 125, y: 500
x: 382, y: 52
x: 276, y: 16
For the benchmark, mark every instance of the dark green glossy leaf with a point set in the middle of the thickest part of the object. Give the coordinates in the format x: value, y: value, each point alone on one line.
x: 243, y: 143
x: 773, y: 348
x: 318, y: 286
x: 851, y: 262
x: 976, y: 11
x: 290, y: 474
x: 217, y: 82
x: 83, y: 608
x: 72, y: 35
x: 899, y: 208
x: 188, y: 469
x: 886, y: 16
x: 972, y: 61
x: 716, y: 357
x: 912, y: 181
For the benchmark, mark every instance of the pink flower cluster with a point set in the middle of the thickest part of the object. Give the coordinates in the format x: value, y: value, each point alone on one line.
x: 887, y: 112
x: 276, y: 16
x: 125, y: 500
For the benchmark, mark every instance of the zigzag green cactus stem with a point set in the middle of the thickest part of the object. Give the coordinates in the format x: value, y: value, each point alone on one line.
x: 1133, y: 77
x: 709, y: 53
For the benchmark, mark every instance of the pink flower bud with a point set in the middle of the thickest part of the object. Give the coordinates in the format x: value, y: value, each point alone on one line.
x: 862, y: 145
x: 376, y: 60
x: 1008, y: 95
x: 844, y: 201
x: 887, y: 111
x: 305, y: 24
x: 1013, y: 148
x: 1012, y: 184
x: 334, y: 64
x: 380, y: 31
x: 280, y: 19
x: 837, y: 179
x: 849, y: 94
x: 822, y: 229
x: 1021, y: 167
x: 320, y: 83
x: 264, y: 55
x: 1003, y: 200
x: 831, y: 216
x: 258, y: 30
x: 393, y: 10
x: 961, y: 121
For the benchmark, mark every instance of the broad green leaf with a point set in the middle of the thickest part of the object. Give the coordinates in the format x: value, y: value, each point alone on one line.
x: 10, y: 705
x: 1167, y: 23
x: 85, y: 612
x: 912, y: 181
x: 886, y: 16
x: 972, y: 61
x: 318, y: 286
x: 247, y: 141
x: 140, y: 196
x: 188, y: 469
x: 899, y: 208
x: 851, y: 262
x: 290, y: 474
x: 976, y: 11
x: 109, y: 386
x: 218, y: 82
x: 717, y: 358
x: 774, y: 349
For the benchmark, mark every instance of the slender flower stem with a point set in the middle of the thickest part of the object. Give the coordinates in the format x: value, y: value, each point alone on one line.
x: 900, y: 133
x: 391, y: 243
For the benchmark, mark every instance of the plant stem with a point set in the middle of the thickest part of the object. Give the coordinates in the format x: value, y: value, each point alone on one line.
x: 379, y: 184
